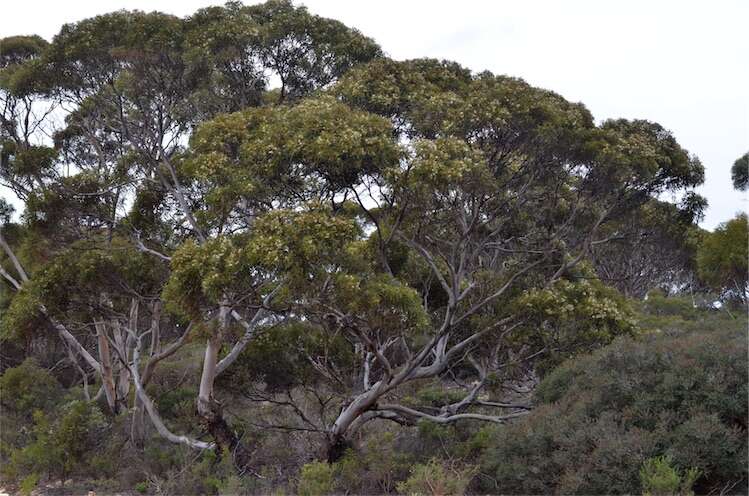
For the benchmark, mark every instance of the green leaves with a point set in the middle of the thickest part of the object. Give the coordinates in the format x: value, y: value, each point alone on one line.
x: 28, y: 387
x: 82, y: 282
x: 284, y: 245
x: 722, y: 259
x: 572, y: 316
x: 682, y: 395
x: 740, y: 172
x: 201, y: 273
x: 272, y: 153
x: 444, y: 165
x: 28, y: 162
x: 306, y: 51
x: 300, y: 242
x: 644, y: 156
x: 19, y: 64
x: 384, y: 303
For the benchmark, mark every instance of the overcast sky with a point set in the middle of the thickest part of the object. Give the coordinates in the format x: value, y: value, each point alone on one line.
x: 684, y: 64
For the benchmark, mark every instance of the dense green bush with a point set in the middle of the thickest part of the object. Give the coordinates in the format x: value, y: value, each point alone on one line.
x: 316, y: 479
x: 659, y: 478
x: 61, y: 445
x: 28, y: 387
x: 600, y: 416
x: 436, y: 478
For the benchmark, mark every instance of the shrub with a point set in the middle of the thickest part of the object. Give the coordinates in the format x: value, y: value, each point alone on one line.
x: 600, y: 417
x: 316, y: 479
x: 660, y: 478
x: 28, y: 484
x: 28, y: 387
x: 377, y: 467
x: 435, y: 478
x: 63, y: 445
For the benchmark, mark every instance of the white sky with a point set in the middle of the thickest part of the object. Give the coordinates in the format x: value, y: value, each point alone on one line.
x: 682, y: 63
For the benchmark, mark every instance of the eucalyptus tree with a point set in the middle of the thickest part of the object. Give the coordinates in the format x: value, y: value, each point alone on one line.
x: 132, y: 87
x: 398, y: 222
x: 655, y: 247
x: 740, y: 172
x: 431, y: 218
x: 723, y: 259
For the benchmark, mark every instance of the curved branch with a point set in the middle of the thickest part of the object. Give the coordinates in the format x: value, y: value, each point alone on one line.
x: 13, y: 259
x: 250, y: 329
x: 153, y: 414
x: 446, y: 419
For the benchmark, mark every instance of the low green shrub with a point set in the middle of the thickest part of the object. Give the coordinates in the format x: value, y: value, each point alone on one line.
x: 660, y: 478
x: 28, y: 387
x: 63, y: 445
x: 600, y: 417
x: 316, y: 479
x: 436, y: 478
x: 28, y: 484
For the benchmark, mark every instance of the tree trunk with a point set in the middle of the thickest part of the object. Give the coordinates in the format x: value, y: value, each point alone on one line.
x: 209, y: 410
x: 336, y: 447
x: 225, y: 438
x: 138, y: 424
x: 337, y: 444
x: 107, y: 374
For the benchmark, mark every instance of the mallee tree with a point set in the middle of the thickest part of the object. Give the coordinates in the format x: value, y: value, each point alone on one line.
x: 369, y: 227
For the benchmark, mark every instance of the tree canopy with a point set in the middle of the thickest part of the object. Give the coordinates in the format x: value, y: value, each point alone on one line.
x: 324, y: 229
x: 740, y: 172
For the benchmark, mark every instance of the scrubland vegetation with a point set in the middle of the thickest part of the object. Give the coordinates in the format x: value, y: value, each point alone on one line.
x: 255, y: 255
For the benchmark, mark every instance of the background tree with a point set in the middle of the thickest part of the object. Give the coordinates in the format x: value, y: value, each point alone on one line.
x: 740, y: 172
x: 653, y: 247
x: 722, y: 259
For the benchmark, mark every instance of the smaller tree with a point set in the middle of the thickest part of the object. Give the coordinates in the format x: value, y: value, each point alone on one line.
x: 653, y: 247
x: 740, y: 172
x: 722, y: 259
x: 659, y: 477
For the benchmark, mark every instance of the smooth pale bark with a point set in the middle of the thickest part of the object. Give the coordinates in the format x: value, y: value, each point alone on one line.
x: 153, y: 414
x: 209, y: 409
x: 210, y: 361
x: 14, y: 260
x: 208, y: 375
x: 72, y: 341
x: 12, y: 280
x: 107, y: 373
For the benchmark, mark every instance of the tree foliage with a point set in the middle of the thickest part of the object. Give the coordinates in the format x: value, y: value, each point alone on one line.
x: 740, y: 172
x: 258, y: 197
x: 722, y: 259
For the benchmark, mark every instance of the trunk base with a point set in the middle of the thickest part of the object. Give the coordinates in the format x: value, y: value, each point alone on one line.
x: 336, y: 448
x: 225, y: 438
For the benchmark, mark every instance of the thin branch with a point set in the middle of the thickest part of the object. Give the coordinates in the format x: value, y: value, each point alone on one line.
x: 250, y: 329
x: 153, y: 414
x: 446, y: 419
x: 13, y: 258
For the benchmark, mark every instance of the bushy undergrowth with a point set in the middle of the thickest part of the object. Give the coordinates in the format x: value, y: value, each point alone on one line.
x: 661, y: 413
x: 601, y: 416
